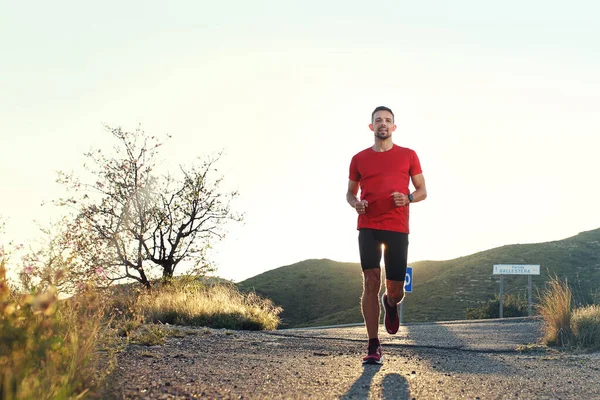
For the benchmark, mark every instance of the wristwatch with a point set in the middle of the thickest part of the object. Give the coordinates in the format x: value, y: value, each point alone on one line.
x: 410, y: 198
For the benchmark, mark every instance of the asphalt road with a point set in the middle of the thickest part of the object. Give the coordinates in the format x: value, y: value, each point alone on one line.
x: 490, y: 359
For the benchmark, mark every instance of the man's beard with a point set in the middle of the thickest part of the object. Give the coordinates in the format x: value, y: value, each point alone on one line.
x: 382, y: 135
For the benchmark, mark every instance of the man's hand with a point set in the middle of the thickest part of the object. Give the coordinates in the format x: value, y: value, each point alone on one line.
x: 361, y: 206
x: 400, y: 199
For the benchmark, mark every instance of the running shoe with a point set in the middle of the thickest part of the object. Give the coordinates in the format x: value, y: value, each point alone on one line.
x: 391, y: 319
x: 374, y: 356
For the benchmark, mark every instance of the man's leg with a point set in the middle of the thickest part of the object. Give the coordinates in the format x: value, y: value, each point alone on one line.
x: 370, y: 300
x: 395, y: 291
x: 370, y: 258
x: 370, y: 309
x: 391, y: 320
x: 395, y: 257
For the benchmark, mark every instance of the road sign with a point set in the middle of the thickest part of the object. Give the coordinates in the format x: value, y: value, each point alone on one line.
x: 408, y: 280
x: 516, y: 269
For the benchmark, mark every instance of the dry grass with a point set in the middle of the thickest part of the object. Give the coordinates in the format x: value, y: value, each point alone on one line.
x: 53, y: 349
x: 556, y: 309
x: 148, y: 335
x: 567, y: 326
x: 48, y: 347
x: 585, y: 323
x: 218, y: 306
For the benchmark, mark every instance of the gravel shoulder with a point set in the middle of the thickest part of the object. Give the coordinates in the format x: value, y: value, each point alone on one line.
x: 494, y: 359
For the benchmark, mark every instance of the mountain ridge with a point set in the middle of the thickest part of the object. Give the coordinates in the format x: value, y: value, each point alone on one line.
x: 324, y: 291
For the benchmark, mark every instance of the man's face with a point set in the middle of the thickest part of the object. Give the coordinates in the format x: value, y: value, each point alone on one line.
x: 383, y: 124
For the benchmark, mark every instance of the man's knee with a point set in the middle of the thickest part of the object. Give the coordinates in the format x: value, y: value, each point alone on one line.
x: 372, y: 280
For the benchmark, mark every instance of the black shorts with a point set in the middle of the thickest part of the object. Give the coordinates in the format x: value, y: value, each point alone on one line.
x: 395, y: 254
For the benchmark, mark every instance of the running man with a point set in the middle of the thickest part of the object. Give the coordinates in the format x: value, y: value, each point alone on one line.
x: 383, y: 173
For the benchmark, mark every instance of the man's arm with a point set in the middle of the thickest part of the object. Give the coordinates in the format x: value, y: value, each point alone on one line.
x: 359, y: 206
x: 420, y: 192
x: 352, y: 192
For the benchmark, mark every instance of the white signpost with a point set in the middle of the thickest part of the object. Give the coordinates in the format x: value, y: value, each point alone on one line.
x: 516, y: 269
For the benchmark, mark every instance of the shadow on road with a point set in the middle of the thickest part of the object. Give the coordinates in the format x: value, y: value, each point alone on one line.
x: 394, y: 386
x: 438, y: 345
x: 447, y: 347
x: 361, y: 388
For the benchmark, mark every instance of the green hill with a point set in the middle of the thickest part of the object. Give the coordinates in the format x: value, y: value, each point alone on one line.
x: 310, y: 289
x: 323, y: 292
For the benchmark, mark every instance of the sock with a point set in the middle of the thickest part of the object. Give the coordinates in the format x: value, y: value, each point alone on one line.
x: 374, y: 342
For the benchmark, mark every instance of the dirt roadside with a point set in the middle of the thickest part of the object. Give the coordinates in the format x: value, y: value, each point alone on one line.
x: 455, y: 360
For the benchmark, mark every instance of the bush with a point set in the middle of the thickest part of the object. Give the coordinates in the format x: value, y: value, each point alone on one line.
x: 585, y: 324
x: 555, y: 307
x: 215, y: 306
x: 47, y: 346
x: 512, y: 306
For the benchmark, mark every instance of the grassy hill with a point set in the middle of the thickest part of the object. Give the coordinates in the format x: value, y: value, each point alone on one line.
x: 323, y: 292
x: 310, y: 289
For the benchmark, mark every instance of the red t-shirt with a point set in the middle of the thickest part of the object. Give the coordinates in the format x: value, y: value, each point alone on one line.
x: 379, y: 174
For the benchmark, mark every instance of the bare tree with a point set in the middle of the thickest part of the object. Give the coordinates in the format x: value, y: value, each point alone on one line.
x: 129, y: 220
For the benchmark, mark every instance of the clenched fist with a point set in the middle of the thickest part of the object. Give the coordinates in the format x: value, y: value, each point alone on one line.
x: 400, y: 199
x: 361, y: 206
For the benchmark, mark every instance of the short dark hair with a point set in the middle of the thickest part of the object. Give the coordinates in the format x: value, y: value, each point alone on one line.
x: 381, y: 108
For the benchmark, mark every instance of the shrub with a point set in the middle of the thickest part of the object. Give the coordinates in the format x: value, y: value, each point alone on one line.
x: 512, y: 306
x: 149, y: 335
x: 585, y: 324
x: 555, y: 307
x: 216, y: 306
x: 47, y: 346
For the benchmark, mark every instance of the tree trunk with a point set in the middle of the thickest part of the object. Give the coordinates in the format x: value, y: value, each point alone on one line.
x: 144, y: 280
x: 168, y: 269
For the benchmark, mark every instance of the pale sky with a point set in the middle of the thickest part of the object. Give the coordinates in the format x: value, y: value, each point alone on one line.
x: 501, y: 101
